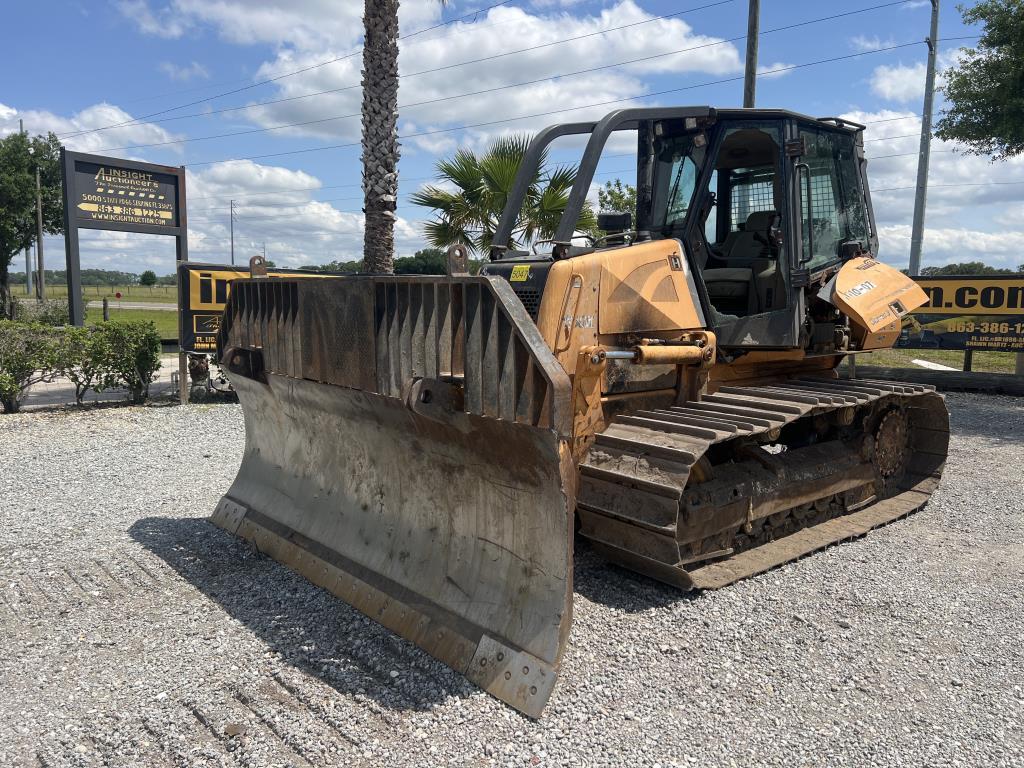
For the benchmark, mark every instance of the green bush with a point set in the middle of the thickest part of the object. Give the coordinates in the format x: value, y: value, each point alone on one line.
x: 49, y: 312
x: 133, y: 356
x: 85, y: 359
x: 29, y: 353
x: 112, y: 354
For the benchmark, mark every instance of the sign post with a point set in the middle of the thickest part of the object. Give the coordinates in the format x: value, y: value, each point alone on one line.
x: 123, y: 196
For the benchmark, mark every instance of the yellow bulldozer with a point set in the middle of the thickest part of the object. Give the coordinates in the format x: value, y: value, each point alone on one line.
x: 428, y: 448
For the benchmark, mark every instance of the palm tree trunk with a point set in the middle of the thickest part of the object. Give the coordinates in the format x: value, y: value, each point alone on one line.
x: 380, y: 133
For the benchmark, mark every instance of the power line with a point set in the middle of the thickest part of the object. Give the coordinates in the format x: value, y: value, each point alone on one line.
x: 959, y: 184
x: 892, y: 119
x: 278, y: 190
x: 906, y: 154
x: 209, y: 86
x: 546, y: 78
x: 300, y: 206
x: 429, y: 71
x: 891, y: 138
x: 275, y: 78
x: 355, y: 53
x: 548, y: 113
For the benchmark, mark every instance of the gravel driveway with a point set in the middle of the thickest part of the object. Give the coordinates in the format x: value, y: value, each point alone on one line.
x: 134, y: 633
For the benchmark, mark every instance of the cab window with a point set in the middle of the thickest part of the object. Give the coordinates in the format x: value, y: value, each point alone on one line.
x: 838, y: 213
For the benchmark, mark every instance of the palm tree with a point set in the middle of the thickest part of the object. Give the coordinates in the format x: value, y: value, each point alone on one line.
x: 380, y: 132
x: 470, y: 215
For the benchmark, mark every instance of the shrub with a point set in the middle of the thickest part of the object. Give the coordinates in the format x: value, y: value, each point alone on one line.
x: 29, y: 353
x: 133, y: 356
x: 50, y: 312
x: 113, y: 354
x: 85, y: 359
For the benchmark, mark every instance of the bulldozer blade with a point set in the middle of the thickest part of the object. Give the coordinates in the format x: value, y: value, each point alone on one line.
x: 448, y: 523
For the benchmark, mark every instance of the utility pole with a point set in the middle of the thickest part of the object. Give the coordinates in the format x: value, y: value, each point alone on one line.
x: 753, y: 32
x: 924, y: 154
x: 28, y: 250
x: 232, y: 232
x: 41, y: 276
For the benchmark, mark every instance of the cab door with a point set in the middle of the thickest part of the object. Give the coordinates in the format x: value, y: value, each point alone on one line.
x: 741, y: 243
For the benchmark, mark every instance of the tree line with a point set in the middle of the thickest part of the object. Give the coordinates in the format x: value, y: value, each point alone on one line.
x: 109, y: 277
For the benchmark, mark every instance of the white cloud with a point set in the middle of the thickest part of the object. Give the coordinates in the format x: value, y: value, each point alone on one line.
x: 160, y: 23
x: 305, y: 24
x: 948, y: 244
x: 873, y: 43
x: 961, y: 199
x: 96, y: 116
x: 186, y: 72
x: 769, y: 71
x: 905, y: 83
x: 899, y: 82
x: 555, y: 3
x: 501, y: 30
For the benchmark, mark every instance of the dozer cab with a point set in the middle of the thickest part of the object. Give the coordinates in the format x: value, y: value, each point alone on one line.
x: 428, y: 447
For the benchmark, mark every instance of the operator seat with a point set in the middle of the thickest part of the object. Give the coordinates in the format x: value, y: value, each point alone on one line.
x: 751, y: 242
x: 746, y: 285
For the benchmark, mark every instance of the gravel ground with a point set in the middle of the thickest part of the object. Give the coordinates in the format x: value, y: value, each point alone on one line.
x: 134, y: 633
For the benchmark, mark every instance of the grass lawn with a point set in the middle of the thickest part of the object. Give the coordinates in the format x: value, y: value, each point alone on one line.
x: 984, y: 362
x: 166, y: 322
x: 161, y: 294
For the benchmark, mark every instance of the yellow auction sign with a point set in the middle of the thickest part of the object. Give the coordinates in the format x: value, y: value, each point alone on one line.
x: 969, y: 312
x: 973, y: 295
x: 203, y: 291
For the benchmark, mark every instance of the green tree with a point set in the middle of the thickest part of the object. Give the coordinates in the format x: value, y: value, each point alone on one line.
x: 428, y: 261
x: 20, y: 155
x: 616, y: 197
x: 470, y: 215
x: 147, y: 278
x: 966, y: 268
x: 346, y: 267
x: 985, y: 90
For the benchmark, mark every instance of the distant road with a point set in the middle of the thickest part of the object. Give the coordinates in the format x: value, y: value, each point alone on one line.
x: 135, y: 305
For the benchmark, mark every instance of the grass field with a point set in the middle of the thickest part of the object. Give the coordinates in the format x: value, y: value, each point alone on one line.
x: 161, y: 294
x: 983, y: 362
x: 166, y: 322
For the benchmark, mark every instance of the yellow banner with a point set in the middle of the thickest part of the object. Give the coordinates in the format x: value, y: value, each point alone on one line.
x: 209, y: 288
x: 972, y: 296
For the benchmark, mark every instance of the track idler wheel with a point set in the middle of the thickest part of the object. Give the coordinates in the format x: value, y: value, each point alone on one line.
x: 892, y: 443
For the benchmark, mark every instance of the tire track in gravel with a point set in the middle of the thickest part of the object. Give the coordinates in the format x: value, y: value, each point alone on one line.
x: 294, y: 724
x: 94, y: 581
x: 190, y: 743
x: 314, y: 702
x: 126, y: 746
x: 246, y: 737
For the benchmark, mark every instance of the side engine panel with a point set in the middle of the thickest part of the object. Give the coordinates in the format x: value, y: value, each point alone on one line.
x: 607, y: 297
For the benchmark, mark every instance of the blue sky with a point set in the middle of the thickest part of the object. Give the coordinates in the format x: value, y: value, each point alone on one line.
x: 161, y: 65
